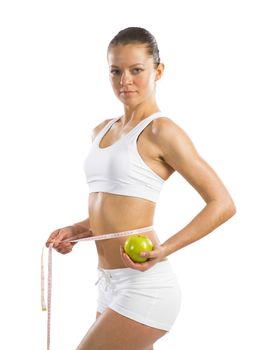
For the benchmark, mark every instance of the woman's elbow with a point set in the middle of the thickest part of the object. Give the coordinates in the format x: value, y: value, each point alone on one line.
x: 229, y: 209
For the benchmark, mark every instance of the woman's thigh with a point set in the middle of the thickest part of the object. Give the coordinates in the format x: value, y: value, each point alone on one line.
x: 98, y: 314
x: 115, y: 331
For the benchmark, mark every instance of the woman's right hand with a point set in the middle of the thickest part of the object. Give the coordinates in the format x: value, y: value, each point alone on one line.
x: 58, y: 236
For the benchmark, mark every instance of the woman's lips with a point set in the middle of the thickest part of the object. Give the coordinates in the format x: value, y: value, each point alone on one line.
x: 128, y: 93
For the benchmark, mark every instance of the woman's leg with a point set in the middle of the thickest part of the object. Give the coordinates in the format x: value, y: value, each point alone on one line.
x: 114, y: 331
x: 99, y: 314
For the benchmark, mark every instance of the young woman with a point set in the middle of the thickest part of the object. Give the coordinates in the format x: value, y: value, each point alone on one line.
x: 130, y: 158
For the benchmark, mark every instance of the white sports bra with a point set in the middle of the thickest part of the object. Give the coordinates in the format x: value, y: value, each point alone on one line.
x: 119, y: 168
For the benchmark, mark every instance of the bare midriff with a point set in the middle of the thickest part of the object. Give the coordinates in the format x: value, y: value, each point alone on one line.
x: 115, y: 213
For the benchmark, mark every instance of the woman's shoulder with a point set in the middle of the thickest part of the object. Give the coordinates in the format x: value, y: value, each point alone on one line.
x: 170, y: 136
x: 99, y: 127
x: 165, y: 125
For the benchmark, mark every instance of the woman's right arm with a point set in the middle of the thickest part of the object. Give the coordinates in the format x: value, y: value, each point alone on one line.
x: 82, y: 226
x: 78, y: 230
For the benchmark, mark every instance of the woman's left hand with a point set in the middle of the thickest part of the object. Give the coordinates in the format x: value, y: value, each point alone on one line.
x: 154, y: 256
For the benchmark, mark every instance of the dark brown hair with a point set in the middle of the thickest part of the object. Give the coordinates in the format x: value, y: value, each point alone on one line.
x: 137, y: 35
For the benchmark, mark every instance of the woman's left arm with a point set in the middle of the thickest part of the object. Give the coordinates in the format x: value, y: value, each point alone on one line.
x: 180, y: 153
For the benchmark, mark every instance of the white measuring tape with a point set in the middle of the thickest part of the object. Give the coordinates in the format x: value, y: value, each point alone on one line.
x: 49, y: 273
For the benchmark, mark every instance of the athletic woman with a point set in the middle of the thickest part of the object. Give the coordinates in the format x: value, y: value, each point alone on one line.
x: 130, y: 158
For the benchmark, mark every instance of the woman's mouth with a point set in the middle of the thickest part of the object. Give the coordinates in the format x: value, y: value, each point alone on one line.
x: 128, y: 93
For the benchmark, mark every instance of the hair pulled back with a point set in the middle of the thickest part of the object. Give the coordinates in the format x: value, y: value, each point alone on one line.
x: 137, y: 35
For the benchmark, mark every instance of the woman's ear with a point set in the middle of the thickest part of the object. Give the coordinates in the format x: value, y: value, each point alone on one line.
x: 159, y: 71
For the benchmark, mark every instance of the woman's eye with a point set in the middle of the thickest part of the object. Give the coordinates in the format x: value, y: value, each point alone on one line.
x: 137, y: 70
x: 114, y: 71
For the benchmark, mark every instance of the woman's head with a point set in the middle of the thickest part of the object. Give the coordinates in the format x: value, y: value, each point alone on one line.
x: 137, y: 35
x: 134, y: 63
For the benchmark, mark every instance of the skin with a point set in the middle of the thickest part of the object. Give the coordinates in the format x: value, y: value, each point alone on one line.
x: 165, y: 148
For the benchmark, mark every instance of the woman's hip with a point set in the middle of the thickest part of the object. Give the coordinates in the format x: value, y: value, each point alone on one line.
x: 152, y: 297
x: 161, y: 275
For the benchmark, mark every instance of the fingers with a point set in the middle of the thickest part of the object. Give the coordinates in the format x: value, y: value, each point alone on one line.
x: 64, y: 248
x: 150, y: 255
x: 124, y: 257
x: 52, y: 237
x: 57, y: 237
x: 130, y: 263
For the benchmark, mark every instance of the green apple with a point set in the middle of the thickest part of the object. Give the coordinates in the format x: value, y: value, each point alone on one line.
x: 136, y: 244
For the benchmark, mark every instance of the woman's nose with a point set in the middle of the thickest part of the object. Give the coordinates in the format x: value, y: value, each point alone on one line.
x: 126, y: 78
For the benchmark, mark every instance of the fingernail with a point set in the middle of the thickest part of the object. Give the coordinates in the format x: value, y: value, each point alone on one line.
x: 143, y: 254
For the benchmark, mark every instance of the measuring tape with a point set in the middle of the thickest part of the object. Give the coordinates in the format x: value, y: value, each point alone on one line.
x: 49, y: 272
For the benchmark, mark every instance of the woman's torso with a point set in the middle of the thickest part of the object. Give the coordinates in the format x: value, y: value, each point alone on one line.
x: 115, y: 213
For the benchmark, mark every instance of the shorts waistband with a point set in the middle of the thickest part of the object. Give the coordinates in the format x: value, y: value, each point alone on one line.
x: 109, y: 274
x: 126, y: 269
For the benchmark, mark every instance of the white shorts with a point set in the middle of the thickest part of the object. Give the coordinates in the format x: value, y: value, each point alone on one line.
x: 152, y: 297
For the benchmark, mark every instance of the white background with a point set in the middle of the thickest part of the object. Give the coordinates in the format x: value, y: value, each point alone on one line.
x: 54, y: 91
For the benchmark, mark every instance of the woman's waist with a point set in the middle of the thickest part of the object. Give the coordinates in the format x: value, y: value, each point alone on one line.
x: 110, y: 228
x: 118, y: 238
x: 107, y: 207
x: 102, y: 222
x: 109, y: 249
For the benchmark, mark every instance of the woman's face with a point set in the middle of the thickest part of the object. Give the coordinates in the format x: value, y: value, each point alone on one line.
x: 132, y: 73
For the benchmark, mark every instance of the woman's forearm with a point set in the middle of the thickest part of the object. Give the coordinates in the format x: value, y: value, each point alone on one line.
x: 82, y: 226
x: 209, y: 218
